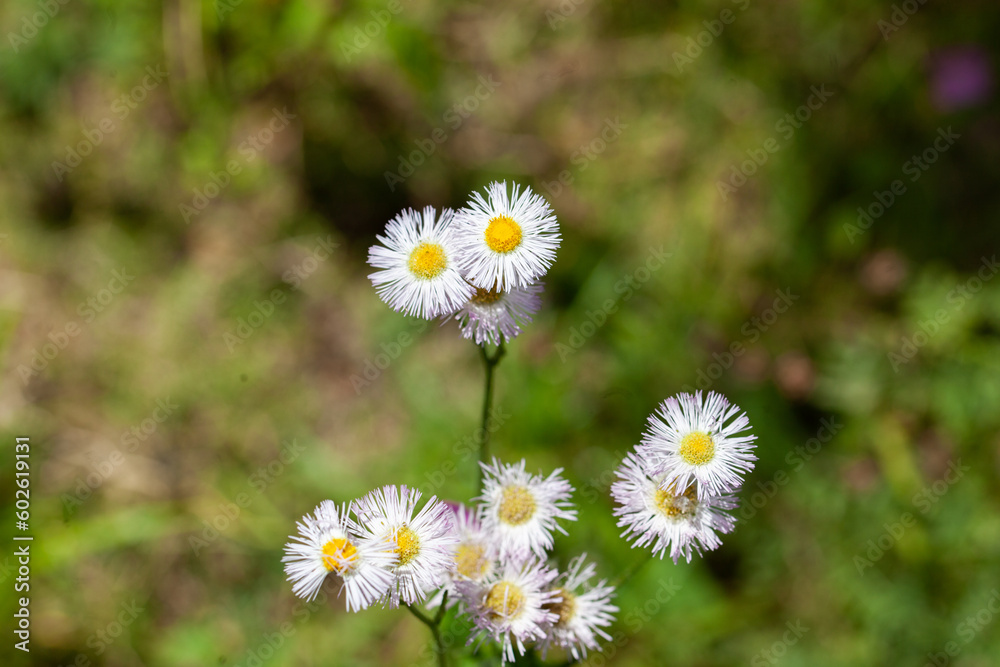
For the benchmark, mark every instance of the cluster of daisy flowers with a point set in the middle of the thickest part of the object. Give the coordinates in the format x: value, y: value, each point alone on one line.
x: 480, y: 265
x: 379, y: 546
x: 674, y: 491
x: 489, y: 560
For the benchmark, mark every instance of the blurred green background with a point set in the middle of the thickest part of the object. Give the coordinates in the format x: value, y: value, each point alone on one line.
x: 188, y: 191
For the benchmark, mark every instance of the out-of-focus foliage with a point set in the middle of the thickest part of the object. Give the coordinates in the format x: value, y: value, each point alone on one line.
x: 231, y: 162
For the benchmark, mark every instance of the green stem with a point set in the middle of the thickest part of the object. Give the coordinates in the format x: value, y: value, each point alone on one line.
x: 490, y: 362
x: 625, y: 575
x: 434, y: 625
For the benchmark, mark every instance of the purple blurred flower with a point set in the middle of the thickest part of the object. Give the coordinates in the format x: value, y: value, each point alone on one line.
x: 960, y: 77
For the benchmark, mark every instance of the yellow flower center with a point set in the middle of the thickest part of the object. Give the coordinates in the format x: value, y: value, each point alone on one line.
x: 565, y: 608
x: 407, y: 544
x: 486, y: 297
x: 517, y: 505
x: 338, y: 555
x: 697, y: 448
x: 503, y: 234
x: 504, y: 600
x: 677, y: 505
x: 427, y: 261
x: 471, y: 561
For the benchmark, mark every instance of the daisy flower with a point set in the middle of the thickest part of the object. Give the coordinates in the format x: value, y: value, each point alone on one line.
x: 494, y: 316
x: 506, y: 241
x: 706, y: 441
x: 655, y: 515
x: 325, y: 545
x: 582, y: 611
x: 474, y: 554
x: 424, y: 544
x: 519, y: 510
x: 511, y: 605
x: 419, y: 274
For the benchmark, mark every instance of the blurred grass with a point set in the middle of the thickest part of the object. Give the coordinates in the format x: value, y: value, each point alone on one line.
x: 357, y: 116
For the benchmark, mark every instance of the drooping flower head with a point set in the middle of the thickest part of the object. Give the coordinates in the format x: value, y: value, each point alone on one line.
x: 419, y: 270
x: 669, y: 521
x: 325, y: 545
x: 511, y: 605
x: 691, y: 439
x: 520, y: 510
x: 582, y: 610
x: 492, y: 316
x: 422, y: 543
x: 506, y: 241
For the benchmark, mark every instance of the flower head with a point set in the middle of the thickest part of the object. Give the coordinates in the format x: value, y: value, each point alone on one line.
x: 678, y: 522
x: 506, y: 241
x: 520, y: 510
x: 582, y: 610
x: 423, y: 544
x: 510, y: 606
x: 419, y: 272
x: 474, y: 554
x: 325, y: 545
x: 689, y: 439
x: 493, y: 316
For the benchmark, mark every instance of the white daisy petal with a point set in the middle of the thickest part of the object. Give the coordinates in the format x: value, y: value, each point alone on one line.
x: 419, y: 272
x: 679, y: 523
x: 582, y: 611
x: 520, y: 510
x: 324, y: 545
x: 493, y: 316
x: 708, y: 441
x: 423, y: 543
x: 506, y: 242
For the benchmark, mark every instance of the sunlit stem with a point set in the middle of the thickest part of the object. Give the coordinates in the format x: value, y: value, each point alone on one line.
x: 491, y: 363
x: 434, y: 624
